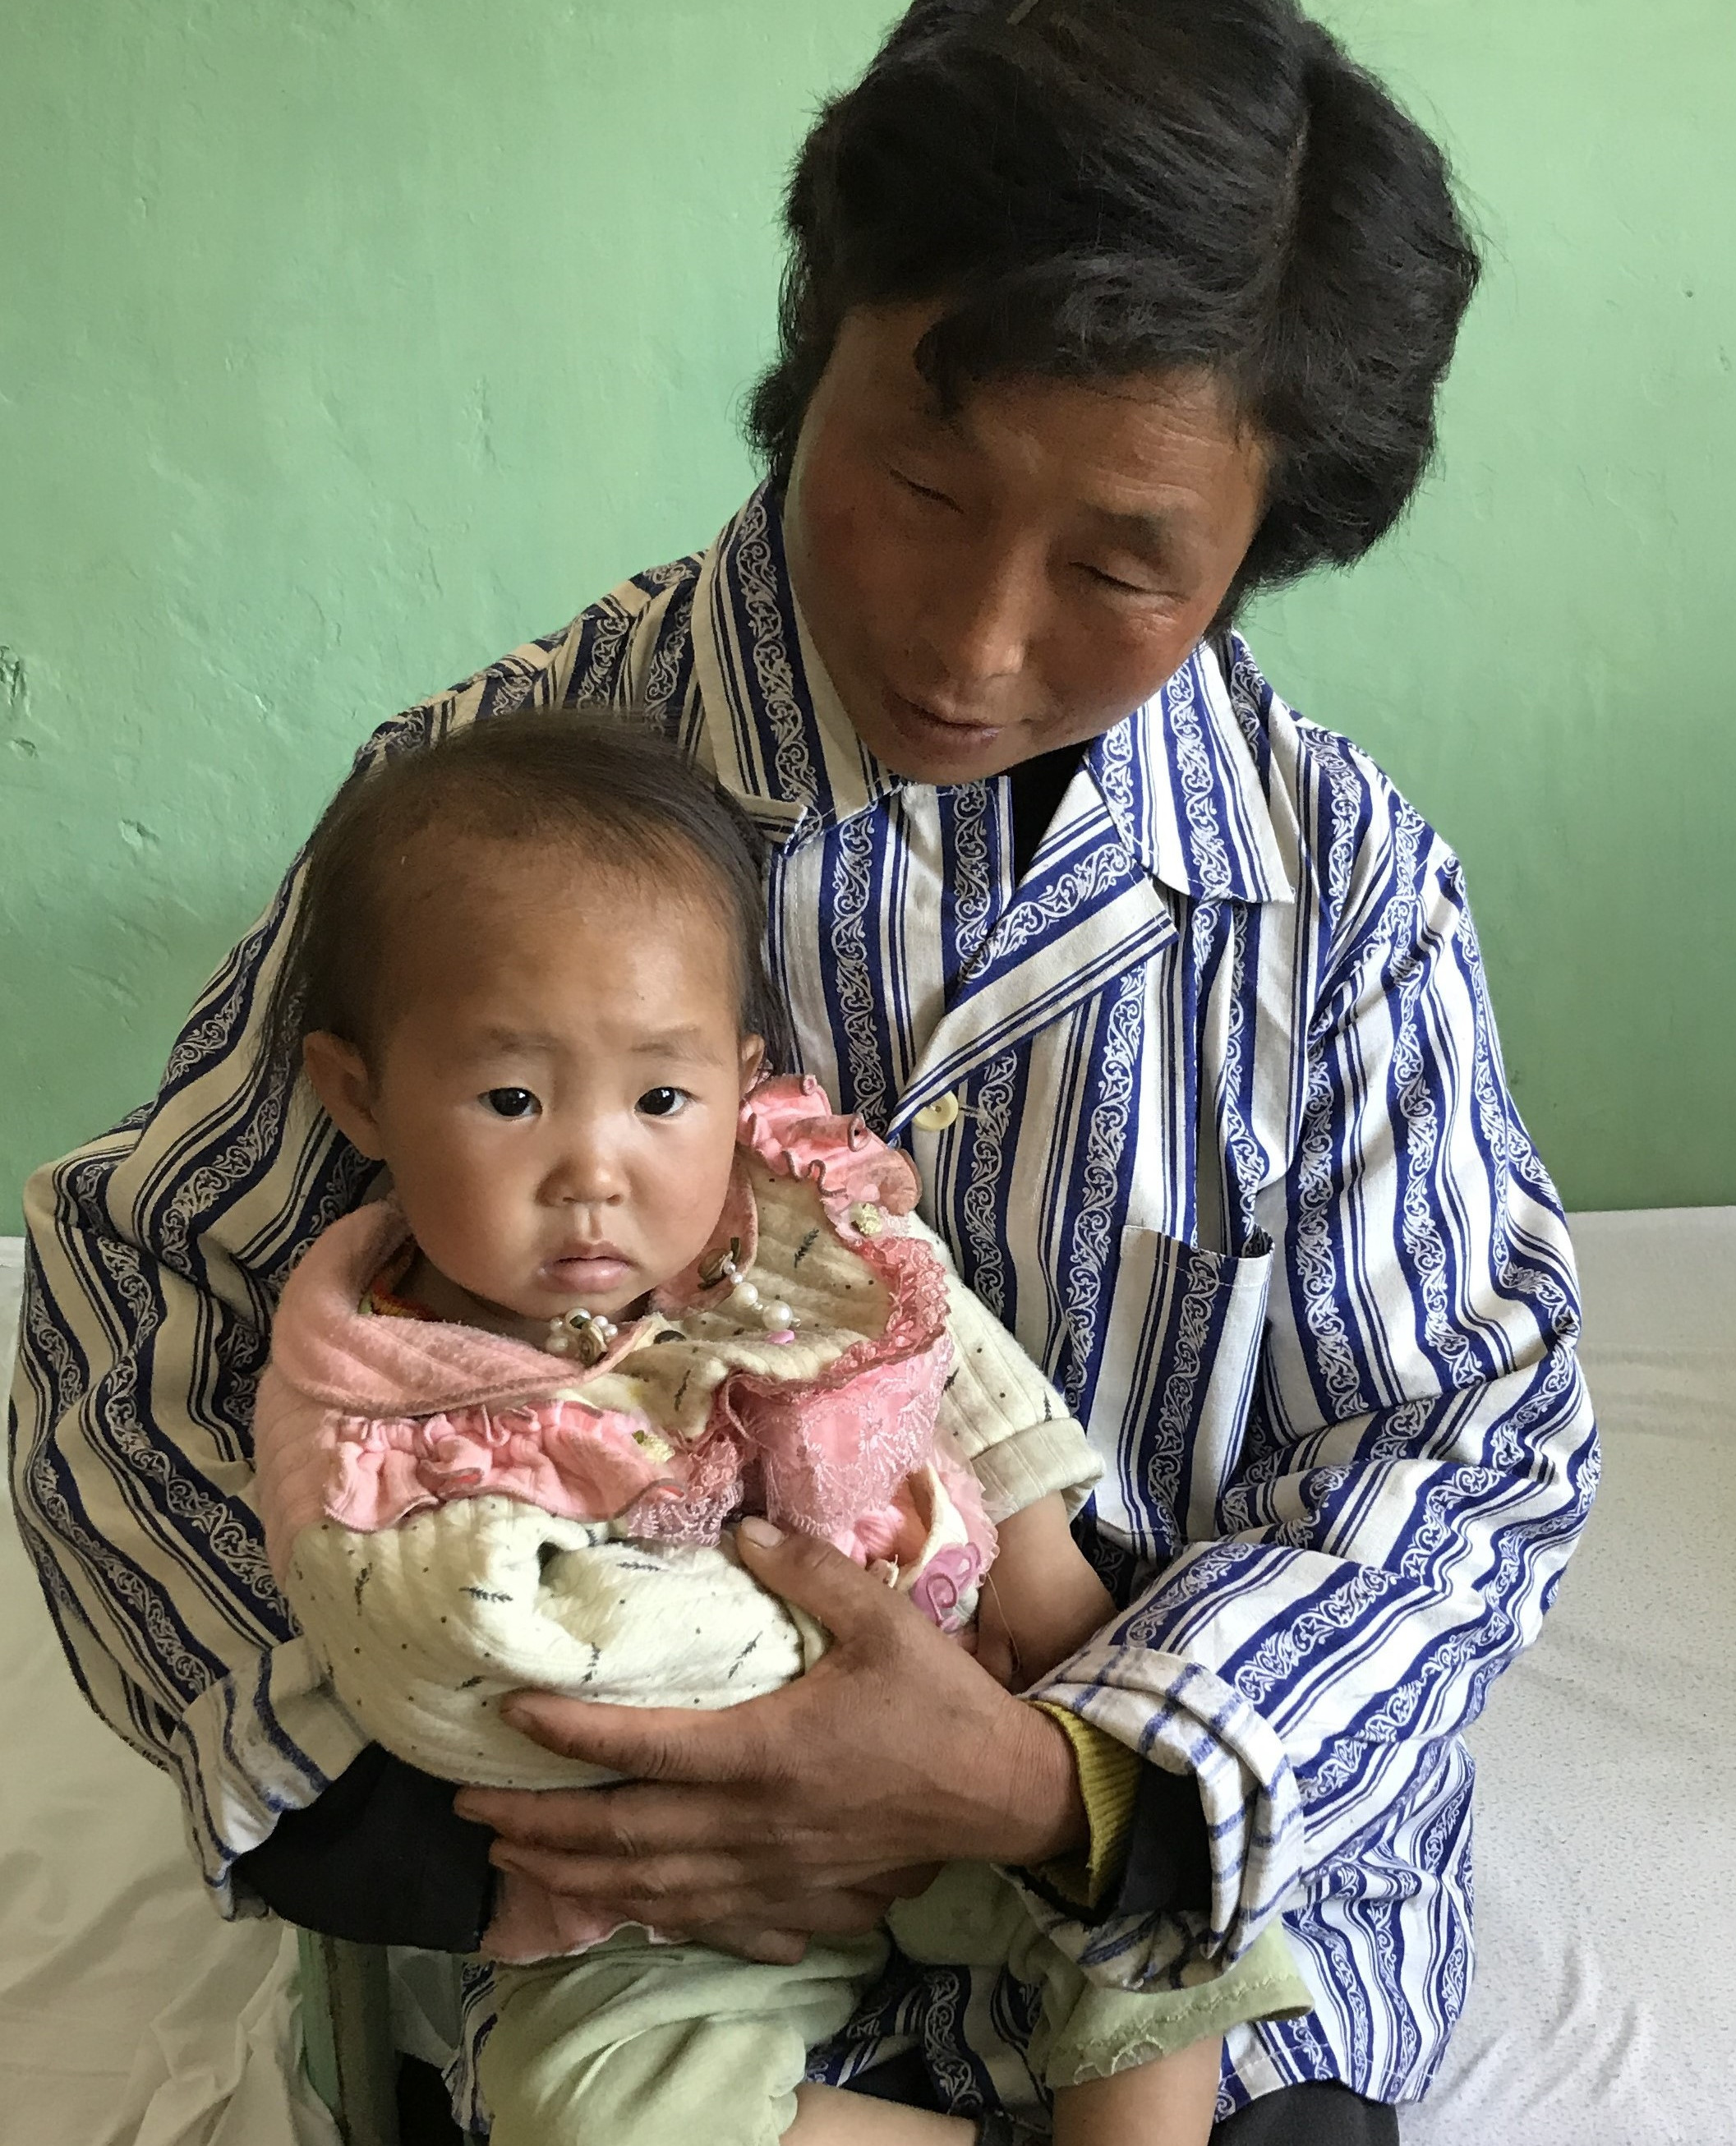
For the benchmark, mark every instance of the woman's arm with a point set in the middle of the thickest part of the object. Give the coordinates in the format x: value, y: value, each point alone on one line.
x: 1421, y: 1451
x: 155, y: 1257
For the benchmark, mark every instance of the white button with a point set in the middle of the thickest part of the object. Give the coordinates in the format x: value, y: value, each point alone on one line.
x: 937, y: 1116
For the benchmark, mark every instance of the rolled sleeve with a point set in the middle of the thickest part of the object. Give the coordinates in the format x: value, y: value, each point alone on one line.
x: 1001, y: 1413
x: 1418, y: 1459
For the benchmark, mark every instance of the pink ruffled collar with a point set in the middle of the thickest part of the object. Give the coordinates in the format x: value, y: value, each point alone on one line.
x: 418, y: 1411
x: 335, y: 1356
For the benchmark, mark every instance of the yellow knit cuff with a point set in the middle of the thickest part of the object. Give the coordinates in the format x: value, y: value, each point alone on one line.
x: 1109, y: 1780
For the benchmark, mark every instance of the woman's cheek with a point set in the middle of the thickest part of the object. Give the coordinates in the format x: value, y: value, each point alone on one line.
x: 866, y: 541
x: 1124, y: 665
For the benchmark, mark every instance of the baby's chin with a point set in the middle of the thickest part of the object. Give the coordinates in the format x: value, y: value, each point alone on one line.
x: 541, y: 1303
x: 529, y: 1306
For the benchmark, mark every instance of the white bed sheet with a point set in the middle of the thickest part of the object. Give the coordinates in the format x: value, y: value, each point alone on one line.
x: 129, y: 2014
x: 1604, y: 2012
x: 1605, y: 2006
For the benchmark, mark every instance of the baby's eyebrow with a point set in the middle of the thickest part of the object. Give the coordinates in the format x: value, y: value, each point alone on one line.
x: 689, y: 1042
x: 514, y: 1039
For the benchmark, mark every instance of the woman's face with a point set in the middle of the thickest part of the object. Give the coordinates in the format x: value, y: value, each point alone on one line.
x: 1020, y: 575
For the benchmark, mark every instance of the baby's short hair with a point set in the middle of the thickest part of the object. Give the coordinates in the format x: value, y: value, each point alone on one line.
x: 638, y: 807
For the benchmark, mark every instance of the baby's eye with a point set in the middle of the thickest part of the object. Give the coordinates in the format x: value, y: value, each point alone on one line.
x: 663, y: 1102
x: 512, y: 1102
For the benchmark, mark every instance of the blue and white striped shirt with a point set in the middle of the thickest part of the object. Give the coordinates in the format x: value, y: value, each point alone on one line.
x: 1234, y: 1158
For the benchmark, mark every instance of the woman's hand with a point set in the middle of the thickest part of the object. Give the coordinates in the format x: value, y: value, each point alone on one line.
x: 808, y: 1809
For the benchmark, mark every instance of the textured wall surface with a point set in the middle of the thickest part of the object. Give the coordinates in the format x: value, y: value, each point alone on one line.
x: 335, y: 358
x: 1540, y: 655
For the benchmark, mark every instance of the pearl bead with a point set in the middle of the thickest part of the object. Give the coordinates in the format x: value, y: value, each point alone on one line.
x: 745, y: 1297
x: 775, y: 1315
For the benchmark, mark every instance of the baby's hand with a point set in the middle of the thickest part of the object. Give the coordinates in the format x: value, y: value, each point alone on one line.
x: 1040, y: 1599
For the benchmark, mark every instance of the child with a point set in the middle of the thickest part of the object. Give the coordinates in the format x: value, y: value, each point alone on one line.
x: 627, y: 1289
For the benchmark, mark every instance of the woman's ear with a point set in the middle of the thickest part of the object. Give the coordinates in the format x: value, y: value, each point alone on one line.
x: 753, y: 1061
x: 340, y: 1080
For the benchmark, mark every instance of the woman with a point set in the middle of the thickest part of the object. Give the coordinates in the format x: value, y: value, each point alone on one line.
x: 1097, y: 319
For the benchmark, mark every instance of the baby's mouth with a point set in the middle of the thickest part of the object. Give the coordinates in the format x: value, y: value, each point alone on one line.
x: 599, y: 1268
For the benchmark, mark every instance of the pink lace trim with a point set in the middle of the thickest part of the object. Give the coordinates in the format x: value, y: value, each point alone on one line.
x: 826, y: 1456
x: 580, y: 1462
x: 791, y: 1125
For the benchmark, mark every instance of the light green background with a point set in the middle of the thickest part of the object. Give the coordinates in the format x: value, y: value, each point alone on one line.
x: 345, y: 343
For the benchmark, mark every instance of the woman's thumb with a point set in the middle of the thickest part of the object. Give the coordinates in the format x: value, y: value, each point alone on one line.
x: 814, y: 1576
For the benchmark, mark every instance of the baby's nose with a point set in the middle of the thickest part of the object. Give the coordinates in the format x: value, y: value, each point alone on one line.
x: 588, y: 1172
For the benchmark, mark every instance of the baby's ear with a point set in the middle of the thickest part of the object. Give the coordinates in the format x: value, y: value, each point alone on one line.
x: 753, y: 1061
x: 340, y: 1079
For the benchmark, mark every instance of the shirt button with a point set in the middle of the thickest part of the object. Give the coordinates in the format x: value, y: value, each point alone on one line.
x: 937, y: 1116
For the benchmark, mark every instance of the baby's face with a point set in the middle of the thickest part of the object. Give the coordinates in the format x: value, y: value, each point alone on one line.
x: 557, y: 1096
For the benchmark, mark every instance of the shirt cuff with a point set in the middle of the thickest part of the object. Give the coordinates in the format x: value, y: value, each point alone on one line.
x: 1109, y: 1781
x: 1033, y: 1463
x: 1167, y: 1867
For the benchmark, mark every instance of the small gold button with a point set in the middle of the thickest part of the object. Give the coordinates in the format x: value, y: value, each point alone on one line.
x: 937, y: 1116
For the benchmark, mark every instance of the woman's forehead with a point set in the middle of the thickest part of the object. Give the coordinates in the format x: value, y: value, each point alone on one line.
x: 1144, y: 446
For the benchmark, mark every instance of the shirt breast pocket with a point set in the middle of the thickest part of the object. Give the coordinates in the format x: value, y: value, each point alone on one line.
x: 1170, y: 1414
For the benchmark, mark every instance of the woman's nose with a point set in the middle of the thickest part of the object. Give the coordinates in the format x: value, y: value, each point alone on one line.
x: 981, y: 619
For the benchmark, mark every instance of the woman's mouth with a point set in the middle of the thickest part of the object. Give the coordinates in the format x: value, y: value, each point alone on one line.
x: 924, y: 727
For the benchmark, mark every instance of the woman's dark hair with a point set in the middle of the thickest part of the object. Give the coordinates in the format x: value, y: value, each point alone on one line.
x: 1090, y: 189
x: 633, y: 804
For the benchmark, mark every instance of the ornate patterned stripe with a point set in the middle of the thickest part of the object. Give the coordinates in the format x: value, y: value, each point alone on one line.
x: 1417, y: 1456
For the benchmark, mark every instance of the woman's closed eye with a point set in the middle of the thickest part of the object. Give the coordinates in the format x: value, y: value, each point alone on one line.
x: 663, y: 1102
x: 511, y: 1102
x: 1117, y: 583
x: 916, y: 487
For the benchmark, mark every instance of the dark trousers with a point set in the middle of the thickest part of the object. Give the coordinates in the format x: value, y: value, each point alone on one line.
x: 1309, y: 2116
x: 1294, y: 2116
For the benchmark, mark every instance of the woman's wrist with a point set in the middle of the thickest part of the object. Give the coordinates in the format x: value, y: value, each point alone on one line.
x: 1045, y: 1814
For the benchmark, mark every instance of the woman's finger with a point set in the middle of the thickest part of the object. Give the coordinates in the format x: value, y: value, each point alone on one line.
x: 850, y: 1603
x: 651, y: 1882
x: 690, y: 1894
x: 643, y: 1743
x: 749, y: 1941
x: 636, y: 1819
x: 843, y: 1914
x: 903, y: 1884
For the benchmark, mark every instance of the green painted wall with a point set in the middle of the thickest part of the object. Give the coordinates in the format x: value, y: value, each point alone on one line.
x: 331, y: 364
x: 1540, y: 656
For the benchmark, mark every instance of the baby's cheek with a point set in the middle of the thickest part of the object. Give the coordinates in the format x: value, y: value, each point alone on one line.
x: 696, y: 1201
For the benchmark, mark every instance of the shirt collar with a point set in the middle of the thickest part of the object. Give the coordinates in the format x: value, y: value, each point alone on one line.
x: 1182, y: 777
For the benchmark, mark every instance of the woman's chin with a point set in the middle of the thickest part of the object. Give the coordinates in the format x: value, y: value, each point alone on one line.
x: 924, y: 748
